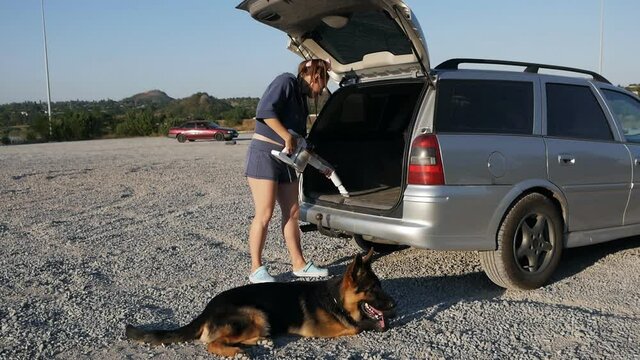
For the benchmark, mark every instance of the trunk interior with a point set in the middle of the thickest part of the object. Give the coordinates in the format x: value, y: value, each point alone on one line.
x: 363, y: 132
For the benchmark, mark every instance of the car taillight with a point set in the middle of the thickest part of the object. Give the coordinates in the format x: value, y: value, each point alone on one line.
x: 425, y: 162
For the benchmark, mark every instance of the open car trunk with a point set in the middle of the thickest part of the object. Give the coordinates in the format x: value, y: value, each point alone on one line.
x: 363, y: 132
x: 369, y: 39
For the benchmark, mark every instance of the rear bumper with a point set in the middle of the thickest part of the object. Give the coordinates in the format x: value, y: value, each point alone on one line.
x: 434, y: 217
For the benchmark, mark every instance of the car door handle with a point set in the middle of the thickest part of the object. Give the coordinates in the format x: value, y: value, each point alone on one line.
x: 566, y: 159
x: 636, y: 161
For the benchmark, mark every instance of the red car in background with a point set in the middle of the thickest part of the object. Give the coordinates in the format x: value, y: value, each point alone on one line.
x: 201, y: 130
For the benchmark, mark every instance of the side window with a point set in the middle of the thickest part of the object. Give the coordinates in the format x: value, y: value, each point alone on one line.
x: 484, y: 106
x: 190, y: 126
x: 626, y: 110
x: 574, y: 112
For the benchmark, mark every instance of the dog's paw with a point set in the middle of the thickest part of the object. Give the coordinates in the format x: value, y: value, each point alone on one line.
x: 266, y: 342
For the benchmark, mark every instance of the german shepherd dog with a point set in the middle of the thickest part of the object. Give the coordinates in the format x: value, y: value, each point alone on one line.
x: 245, y: 315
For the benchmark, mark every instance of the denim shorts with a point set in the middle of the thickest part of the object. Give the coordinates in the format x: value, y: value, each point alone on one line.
x: 260, y: 164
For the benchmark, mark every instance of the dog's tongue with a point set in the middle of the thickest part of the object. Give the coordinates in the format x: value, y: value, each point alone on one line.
x: 378, y: 312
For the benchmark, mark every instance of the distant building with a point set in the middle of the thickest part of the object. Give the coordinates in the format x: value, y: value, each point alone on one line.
x: 634, y: 88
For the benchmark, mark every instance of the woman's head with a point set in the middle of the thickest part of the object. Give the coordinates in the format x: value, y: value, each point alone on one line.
x: 314, y: 73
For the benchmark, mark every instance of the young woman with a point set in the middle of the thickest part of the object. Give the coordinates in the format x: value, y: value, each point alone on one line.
x: 283, y: 107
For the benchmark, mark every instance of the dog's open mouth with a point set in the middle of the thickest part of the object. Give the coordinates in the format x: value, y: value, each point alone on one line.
x: 374, y: 314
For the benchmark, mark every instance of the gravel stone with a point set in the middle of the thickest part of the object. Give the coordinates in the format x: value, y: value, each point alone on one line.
x: 98, y: 234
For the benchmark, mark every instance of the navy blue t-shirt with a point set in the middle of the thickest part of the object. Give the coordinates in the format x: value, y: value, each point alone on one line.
x: 284, y: 101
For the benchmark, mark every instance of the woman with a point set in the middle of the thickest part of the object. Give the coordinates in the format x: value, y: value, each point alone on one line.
x: 283, y: 107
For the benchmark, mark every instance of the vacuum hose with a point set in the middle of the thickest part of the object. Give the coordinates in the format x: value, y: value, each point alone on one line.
x: 302, y: 156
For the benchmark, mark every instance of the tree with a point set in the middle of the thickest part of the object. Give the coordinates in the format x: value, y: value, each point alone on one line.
x: 41, y: 126
x: 137, y: 123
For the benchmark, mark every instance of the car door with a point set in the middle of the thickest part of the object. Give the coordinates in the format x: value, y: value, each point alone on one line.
x: 201, y: 130
x: 188, y: 129
x: 584, y: 155
x: 625, y: 109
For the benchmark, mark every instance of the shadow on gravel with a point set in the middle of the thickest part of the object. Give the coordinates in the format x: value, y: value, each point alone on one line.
x: 425, y: 297
x: 166, y: 313
x: 577, y: 260
x: 340, y: 265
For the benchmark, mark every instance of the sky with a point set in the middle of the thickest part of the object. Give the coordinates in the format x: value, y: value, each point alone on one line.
x: 113, y: 49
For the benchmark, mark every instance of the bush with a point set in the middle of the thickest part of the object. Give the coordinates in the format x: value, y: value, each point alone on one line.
x: 236, y: 115
x: 41, y: 126
x: 168, y: 123
x: 32, y: 136
x: 70, y: 126
x: 137, y: 123
x: 231, y: 123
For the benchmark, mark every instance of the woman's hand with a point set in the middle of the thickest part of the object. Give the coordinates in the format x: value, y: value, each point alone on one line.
x: 290, y: 144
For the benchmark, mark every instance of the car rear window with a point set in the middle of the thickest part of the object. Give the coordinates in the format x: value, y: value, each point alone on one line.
x: 484, y: 106
x: 365, y: 33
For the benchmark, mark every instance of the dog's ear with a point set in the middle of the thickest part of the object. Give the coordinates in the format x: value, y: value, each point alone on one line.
x: 351, y: 265
x: 367, y: 258
x: 354, y: 268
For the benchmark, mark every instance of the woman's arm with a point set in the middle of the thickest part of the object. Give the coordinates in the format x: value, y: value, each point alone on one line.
x: 289, y: 140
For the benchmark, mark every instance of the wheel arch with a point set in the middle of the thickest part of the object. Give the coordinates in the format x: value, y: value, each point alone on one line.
x: 521, y: 190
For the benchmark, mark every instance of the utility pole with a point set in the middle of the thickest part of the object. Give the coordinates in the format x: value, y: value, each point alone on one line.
x: 601, y: 34
x: 46, y: 68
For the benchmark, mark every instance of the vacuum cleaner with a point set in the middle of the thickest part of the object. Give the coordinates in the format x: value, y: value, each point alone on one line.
x: 303, y: 155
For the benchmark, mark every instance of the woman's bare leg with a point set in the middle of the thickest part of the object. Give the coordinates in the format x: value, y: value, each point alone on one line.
x: 264, y: 197
x: 287, y: 196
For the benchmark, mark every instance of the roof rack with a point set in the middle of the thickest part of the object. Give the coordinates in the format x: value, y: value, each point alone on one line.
x: 530, y: 67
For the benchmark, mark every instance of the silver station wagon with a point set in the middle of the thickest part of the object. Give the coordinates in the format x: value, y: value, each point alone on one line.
x: 516, y: 163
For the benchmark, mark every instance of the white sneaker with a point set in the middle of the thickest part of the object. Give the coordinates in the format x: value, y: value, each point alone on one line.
x: 310, y: 270
x: 261, y: 275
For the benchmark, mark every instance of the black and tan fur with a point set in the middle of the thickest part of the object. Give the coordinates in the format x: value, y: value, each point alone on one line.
x: 244, y: 315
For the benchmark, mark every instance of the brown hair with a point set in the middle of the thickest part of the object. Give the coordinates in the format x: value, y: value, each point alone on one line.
x: 314, y: 68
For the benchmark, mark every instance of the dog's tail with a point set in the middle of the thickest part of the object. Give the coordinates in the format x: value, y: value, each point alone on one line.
x: 189, y: 332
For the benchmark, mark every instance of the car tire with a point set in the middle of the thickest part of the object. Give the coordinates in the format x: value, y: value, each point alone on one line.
x: 378, y: 248
x: 530, y: 242
x: 218, y: 137
x: 181, y: 138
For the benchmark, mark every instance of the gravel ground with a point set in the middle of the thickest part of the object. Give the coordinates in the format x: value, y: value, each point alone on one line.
x: 97, y: 234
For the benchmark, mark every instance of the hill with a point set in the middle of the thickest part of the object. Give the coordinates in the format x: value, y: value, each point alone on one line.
x: 199, y: 105
x: 155, y: 97
x: 146, y: 113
